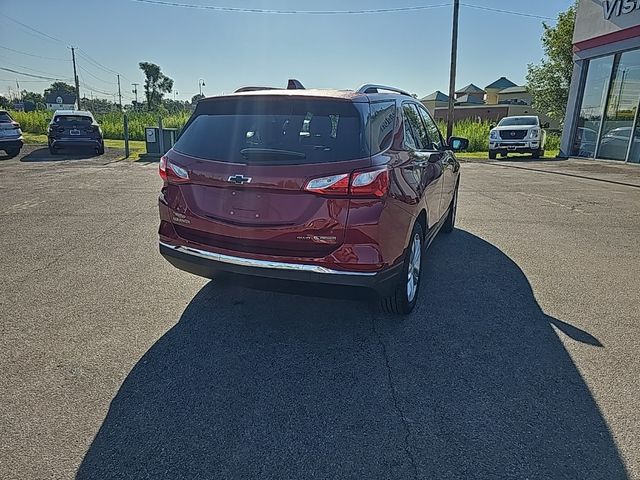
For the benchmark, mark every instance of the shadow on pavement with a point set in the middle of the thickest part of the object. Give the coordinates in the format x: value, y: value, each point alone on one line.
x: 529, y: 158
x: 250, y: 384
x: 43, y: 155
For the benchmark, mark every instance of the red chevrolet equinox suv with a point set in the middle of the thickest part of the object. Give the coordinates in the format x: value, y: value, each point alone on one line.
x: 334, y: 187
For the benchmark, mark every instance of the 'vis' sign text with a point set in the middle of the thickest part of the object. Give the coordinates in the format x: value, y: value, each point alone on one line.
x: 619, y: 7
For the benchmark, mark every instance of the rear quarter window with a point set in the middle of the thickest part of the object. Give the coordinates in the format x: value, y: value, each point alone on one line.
x: 72, y: 119
x: 303, y: 130
x: 382, y: 121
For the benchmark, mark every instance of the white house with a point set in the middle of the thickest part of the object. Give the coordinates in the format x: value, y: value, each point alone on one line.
x: 60, y: 101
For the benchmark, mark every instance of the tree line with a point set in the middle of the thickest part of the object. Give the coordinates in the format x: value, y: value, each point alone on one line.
x: 156, y: 86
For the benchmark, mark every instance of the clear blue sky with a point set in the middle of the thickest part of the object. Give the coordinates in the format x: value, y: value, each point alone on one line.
x: 408, y: 49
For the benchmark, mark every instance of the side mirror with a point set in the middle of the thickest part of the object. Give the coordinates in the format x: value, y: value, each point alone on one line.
x: 458, y: 144
x: 492, y: 126
x: 545, y: 125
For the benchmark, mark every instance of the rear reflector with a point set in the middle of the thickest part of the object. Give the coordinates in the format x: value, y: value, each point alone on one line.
x: 369, y: 184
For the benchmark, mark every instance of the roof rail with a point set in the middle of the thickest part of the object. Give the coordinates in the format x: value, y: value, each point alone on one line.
x: 373, y: 88
x: 254, y: 89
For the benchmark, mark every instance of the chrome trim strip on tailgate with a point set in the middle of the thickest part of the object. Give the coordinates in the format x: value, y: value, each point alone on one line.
x: 250, y: 262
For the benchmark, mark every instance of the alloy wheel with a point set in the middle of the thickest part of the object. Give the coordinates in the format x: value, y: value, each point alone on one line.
x: 415, y: 262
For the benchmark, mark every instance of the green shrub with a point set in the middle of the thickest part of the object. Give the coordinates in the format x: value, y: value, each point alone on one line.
x: 478, y: 135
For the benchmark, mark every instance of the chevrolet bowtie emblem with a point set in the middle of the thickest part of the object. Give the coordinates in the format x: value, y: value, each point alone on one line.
x: 239, y: 179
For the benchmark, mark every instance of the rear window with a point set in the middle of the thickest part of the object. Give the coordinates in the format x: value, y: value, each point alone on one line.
x: 273, y: 131
x: 518, y: 121
x: 72, y: 120
x: 5, y: 118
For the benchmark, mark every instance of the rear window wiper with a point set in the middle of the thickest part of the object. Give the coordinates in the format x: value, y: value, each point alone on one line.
x: 270, y: 152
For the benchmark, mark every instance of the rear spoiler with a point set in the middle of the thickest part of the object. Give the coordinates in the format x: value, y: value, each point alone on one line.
x: 292, y: 84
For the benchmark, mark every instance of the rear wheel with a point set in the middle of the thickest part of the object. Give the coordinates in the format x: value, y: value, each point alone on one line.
x: 100, y: 150
x: 12, y: 152
x: 405, y: 294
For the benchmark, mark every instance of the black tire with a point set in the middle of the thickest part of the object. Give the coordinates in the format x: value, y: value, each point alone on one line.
x: 100, y: 150
x: 399, y: 303
x: 535, y: 155
x: 14, y: 152
x: 53, y: 151
x: 450, y: 222
x: 504, y: 155
x: 492, y: 155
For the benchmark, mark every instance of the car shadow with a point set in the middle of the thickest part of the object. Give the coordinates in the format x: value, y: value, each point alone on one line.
x: 43, y: 155
x: 476, y: 383
x: 529, y: 158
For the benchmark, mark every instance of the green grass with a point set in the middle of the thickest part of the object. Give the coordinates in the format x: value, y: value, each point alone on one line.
x: 136, y: 147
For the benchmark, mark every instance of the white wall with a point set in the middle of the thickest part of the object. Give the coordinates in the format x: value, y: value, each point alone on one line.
x: 56, y: 106
x: 591, y: 21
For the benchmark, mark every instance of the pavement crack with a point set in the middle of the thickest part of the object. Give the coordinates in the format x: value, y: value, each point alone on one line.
x: 394, y: 397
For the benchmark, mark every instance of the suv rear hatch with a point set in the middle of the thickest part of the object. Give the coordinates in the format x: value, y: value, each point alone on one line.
x: 80, y: 126
x: 248, y: 160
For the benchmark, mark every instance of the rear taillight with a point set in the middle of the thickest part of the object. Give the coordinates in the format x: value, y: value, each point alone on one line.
x: 373, y: 183
x: 171, y: 173
x: 370, y: 184
x: 333, y: 185
x: 162, y: 169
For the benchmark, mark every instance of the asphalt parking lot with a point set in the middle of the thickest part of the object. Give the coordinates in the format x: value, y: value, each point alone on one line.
x: 521, y: 360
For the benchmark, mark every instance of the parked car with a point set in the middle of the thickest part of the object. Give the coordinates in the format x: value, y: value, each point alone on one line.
x: 74, y: 129
x: 518, y: 135
x: 615, y: 142
x: 320, y: 186
x: 11, y: 140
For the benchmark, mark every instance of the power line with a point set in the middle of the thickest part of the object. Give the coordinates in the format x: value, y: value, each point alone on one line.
x: 27, y: 68
x: 33, y: 29
x: 94, y: 76
x: 97, y: 64
x: 23, y: 81
x: 292, y: 12
x: 36, y: 56
x: 51, y: 37
x: 31, y: 75
x: 507, y: 12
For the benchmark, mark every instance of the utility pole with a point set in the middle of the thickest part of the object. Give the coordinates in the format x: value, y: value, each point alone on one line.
x: 75, y: 75
x: 135, y: 92
x: 454, y: 61
x: 119, y: 94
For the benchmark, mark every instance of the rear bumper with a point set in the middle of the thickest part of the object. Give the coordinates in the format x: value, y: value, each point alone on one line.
x: 11, y: 143
x: 75, y: 142
x: 209, y: 264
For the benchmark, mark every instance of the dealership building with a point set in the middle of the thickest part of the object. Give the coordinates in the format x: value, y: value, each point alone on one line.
x: 602, y: 113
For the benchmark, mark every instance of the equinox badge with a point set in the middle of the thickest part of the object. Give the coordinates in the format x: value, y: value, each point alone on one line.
x: 239, y: 179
